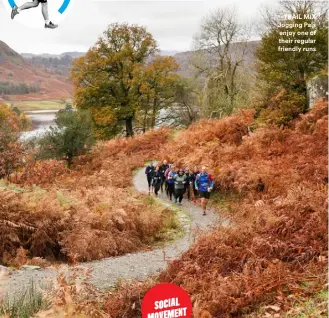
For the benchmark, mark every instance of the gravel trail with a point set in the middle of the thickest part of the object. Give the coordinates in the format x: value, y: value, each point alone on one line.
x: 106, y: 272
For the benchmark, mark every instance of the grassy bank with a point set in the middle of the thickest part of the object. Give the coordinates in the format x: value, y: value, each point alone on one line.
x: 25, y: 305
x: 37, y: 105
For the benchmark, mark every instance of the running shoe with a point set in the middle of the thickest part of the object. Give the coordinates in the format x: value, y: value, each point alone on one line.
x: 14, y: 12
x: 51, y: 25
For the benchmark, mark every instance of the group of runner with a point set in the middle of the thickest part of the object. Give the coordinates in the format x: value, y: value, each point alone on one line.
x: 176, y: 182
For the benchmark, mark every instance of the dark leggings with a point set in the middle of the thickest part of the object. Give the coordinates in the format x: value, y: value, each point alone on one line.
x: 196, y: 193
x: 149, y: 181
x: 163, y: 182
x: 166, y: 187
x: 171, y: 189
x: 179, y: 194
x: 156, y: 187
x: 188, y: 191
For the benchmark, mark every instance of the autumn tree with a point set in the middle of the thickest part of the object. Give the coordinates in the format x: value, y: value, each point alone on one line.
x: 220, y: 50
x: 104, y: 79
x: 283, y: 75
x: 157, y: 82
x: 12, y: 151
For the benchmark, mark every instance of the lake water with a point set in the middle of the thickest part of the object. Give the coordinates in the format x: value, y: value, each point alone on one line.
x: 41, y: 121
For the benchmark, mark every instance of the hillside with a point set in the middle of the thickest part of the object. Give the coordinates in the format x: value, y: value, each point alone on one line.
x: 78, y: 54
x: 186, y: 70
x: 8, y: 54
x: 20, y: 80
x: 61, y: 63
x: 272, y: 183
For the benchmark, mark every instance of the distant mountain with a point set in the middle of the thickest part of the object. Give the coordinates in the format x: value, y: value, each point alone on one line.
x: 27, y: 55
x: 44, y: 55
x: 184, y: 58
x: 48, y: 55
x: 168, y: 52
x: 61, y: 63
x: 73, y: 54
x: 79, y: 54
x: 8, y: 54
x: 58, y: 63
x: 22, y: 80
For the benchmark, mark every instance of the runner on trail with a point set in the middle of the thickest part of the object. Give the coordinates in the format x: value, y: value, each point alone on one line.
x: 156, y: 180
x: 188, y: 183
x: 204, y: 183
x: 196, y: 171
x: 149, y: 171
x: 171, y: 182
x: 180, y: 179
x: 44, y: 9
x: 166, y: 176
x: 163, y: 169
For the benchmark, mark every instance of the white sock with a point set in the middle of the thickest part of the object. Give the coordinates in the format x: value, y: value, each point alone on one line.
x: 18, y: 10
x: 47, y: 21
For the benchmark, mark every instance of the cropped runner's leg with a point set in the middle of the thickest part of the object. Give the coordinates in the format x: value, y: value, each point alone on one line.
x: 28, y: 5
x: 181, y: 194
x: 45, y: 13
x: 44, y: 10
x: 176, y: 193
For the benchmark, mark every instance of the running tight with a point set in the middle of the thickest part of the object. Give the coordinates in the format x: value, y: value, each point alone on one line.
x: 179, y: 194
x: 171, y: 190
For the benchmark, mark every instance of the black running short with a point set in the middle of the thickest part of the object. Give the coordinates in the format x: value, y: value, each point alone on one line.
x: 42, y: 1
x: 204, y: 194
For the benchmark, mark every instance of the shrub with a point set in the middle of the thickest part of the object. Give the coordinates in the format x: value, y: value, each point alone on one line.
x: 282, y: 108
x: 88, y: 212
x: 70, y: 138
x: 11, y: 149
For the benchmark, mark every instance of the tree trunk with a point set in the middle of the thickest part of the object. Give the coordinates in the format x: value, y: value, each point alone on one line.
x: 129, y: 127
x: 144, y: 121
x: 69, y: 160
x: 154, y: 112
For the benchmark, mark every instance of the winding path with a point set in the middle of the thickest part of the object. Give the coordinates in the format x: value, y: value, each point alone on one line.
x: 106, y: 272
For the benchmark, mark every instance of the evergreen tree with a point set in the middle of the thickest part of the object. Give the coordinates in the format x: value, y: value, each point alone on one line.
x: 283, y: 73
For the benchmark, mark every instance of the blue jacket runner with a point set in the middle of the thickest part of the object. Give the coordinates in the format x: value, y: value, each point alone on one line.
x: 171, y: 176
x: 203, y: 181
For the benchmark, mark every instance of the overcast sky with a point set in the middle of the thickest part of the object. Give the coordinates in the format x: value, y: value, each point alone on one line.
x: 172, y: 23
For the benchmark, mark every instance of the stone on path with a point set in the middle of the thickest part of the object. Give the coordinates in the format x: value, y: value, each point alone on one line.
x: 30, y: 267
x: 4, y: 269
